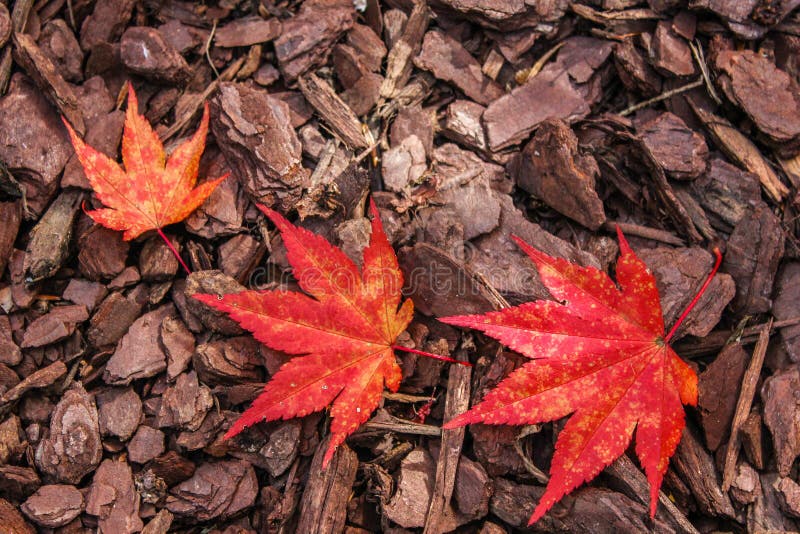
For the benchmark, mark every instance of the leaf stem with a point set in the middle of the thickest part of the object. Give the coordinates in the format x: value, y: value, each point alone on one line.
x: 431, y: 355
x: 696, y: 298
x: 174, y: 251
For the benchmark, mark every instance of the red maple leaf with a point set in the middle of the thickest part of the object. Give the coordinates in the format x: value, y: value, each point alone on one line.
x: 152, y: 191
x: 344, y: 327
x: 599, y: 354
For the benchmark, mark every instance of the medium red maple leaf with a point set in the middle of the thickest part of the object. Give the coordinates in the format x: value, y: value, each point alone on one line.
x: 344, y: 327
x: 599, y: 354
x: 152, y: 191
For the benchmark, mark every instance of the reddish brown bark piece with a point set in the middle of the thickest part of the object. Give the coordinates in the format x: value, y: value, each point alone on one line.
x: 787, y: 306
x: 146, y: 444
x: 114, y: 316
x: 212, y: 283
x: 156, y: 260
x: 106, y: 23
x: 229, y: 361
x: 113, y: 498
x: 718, y: 388
x: 254, y: 131
x: 58, y: 43
x: 506, y: 14
x: 727, y: 192
x: 448, y: 60
x: 323, y: 507
x: 554, y: 170
x: 185, y: 404
x: 53, y: 505
x: 463, y: 124
x: 178, y: 343
x: 307, y: 37
x: 755, y: 249
x: 39, y: 379
x: 139, y: 353
x: 119, y: 412
x: 12, y: 440
x: 145, y: 52
x: 102, y: 253
x: 34, y: 143
x: 54, y: 326
x: 247, y: 31
x: 216, y: 490
x: 634, y: 70
x: 11, y: 213
x: 17, y: 483
x: 679, y: 273
x: 681, y: 151
x: 73, y: 447
x: 781, y: 416
x: 79, y: 291
x: 769, y: 96
x: 670, y: 52
x: 409, y: 505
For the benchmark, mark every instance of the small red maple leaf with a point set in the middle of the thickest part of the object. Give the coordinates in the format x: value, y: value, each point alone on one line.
x: 344, y: 328
x: 152, y: 191
x: 601, y: 355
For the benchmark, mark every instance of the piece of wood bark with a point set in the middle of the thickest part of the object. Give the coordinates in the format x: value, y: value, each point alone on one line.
x: 456, y: 402
x: 44, y: 73
x: 323, y: 508
x: 748, y: 389
x: 401, y: 55
x: 333, y: 110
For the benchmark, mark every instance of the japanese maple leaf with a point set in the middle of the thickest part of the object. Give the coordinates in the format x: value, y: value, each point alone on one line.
x: 153, y: 191
x: 344, y: 326
x: 599, y: 354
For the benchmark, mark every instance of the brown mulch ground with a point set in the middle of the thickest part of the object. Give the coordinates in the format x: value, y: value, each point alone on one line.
x: 467, y: 122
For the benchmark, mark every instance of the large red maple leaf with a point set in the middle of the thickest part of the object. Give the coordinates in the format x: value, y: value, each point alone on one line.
x: 599, y: 354
x: 152, y: 191
x: 344, y: 327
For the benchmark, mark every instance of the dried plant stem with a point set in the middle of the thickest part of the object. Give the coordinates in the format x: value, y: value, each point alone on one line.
x: 174, y: 251
x: 696, y: 298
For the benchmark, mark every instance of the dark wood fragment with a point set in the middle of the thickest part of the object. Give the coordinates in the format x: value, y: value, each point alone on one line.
x: 718, y: 389
x: 754, y: 251
x: 145, y: 52
x: 6, y: 26
x: 253, y: 130
x: 681, y: 151
x: 73, y: 447
x: 184, y: 404
x: 448, y: 467
x: 768, y: 95
x: 409, y: 505
x: 696, y: 468
x: 752, y: 436
x: 780, y: 416
x: 114, y: 316
x: 102, y: 253
x: 171, y: 467
x: 156, y: 260
x: 368, y: 45
x: 53, y: 505
x: 106, y: 23
x: 215, y: 490
x: 323, y: 507
x: 57, y: 325
x: 634, y: 70
x: 57, y: 42
x: 554, y: 170
x: 34, y: 143
x: 212, y: 283
x: 727, y: 192
x: 247, y: 31
x: 766, y: 515
x: 17, y: 483
x: 11, y: 215
x: 12, y: 440
x: 9, y: 351
x: 333, y: 110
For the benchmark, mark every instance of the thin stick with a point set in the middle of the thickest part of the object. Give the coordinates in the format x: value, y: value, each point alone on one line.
x: 692, y: 304
x: 431, y: 355
x: 175, y: 252
x: 743, y: 405
x: 207, y: 49
x: 663, y: 96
